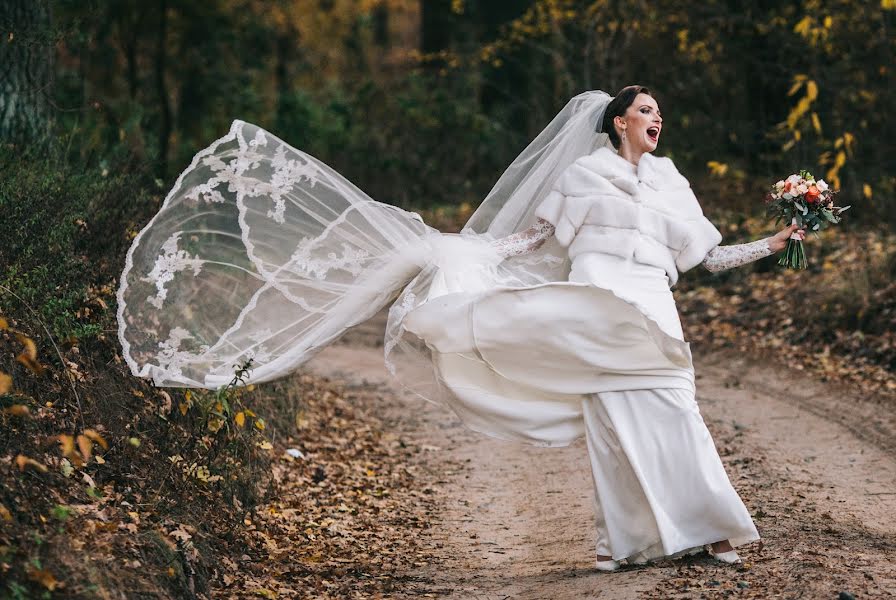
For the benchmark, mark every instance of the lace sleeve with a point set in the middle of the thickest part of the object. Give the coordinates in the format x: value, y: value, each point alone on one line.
x: 721, y: 258
x: 524, y: 241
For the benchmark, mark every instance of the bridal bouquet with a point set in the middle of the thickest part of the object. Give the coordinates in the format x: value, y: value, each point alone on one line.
x: 806, y: 202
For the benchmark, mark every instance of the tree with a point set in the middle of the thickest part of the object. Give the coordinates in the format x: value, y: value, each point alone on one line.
x: 26, y: 67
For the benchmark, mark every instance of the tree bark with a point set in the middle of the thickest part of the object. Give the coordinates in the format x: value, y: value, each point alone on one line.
x: 26, y: 71
x: 435, y: 28
x: 162, y: 88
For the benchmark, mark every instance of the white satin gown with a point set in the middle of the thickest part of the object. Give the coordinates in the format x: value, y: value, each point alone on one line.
x: 603, y: 356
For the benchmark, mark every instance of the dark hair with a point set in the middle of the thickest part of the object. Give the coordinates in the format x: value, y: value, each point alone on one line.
x: 617, y: 108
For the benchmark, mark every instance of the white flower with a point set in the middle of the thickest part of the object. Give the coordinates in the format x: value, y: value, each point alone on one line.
x: 802, y: 188
x: 822, y: 185
x: 794, y: 179
x: 780, y: 185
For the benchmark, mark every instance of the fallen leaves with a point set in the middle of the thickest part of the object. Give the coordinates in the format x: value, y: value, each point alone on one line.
x: 24, y: 463
x: 5, y: 383
x: 79, y: 449
x: 43, y: 577
x: 17, y: 410
x: 28, y: 357
x: 344, y: 517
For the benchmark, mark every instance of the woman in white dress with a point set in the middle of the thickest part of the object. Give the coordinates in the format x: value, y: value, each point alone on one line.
x: 660, y: 487
x: 550, y: 317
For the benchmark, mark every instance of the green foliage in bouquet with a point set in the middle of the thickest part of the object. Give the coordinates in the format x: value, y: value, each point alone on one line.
x: 808, y: 203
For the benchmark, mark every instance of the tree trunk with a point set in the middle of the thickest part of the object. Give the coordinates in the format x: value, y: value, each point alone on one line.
x: 435, y: 28
x: 26, y: 61
x: 381, y: 24
x: 162, y: 88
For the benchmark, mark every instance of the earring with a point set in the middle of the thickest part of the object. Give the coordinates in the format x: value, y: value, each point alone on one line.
x: 623, y: 136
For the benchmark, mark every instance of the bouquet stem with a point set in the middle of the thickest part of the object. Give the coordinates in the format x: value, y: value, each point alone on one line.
x: 794, y: 256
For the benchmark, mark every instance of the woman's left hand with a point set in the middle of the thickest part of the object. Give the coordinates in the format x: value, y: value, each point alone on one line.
x: 779, y: 240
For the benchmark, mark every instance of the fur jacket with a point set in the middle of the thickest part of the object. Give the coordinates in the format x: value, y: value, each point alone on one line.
x: 604, y: 203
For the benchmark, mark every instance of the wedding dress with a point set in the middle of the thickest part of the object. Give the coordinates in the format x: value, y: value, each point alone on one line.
x: 262, y: 255
x: 601, y: 356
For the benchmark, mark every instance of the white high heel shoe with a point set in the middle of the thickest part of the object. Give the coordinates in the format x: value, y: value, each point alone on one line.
x: 607, y: 565
x: 729, y: 557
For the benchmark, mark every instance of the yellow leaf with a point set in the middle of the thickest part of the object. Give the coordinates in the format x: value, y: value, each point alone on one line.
x: 23, y: 462
x: 30, y: 364
x: 30, y: 346
x: 5, y: 515
x: 259, y: 423
x: 183, y: 408
x: 5, y: 383
x: 85, y: 446
x: 802, y: 27
x: 811, y: 90
x: 828, y: 22
x: 888, y: 4
x: 17, y: 410
x: 840, y: 159
x: 816, y: 123
x: 866, y: 190
x: 716, y: 168
x: 794, y: 88
x: 3, y: 324
x: 66, y: 444
x: 42, y: 576
x: 91, y: 434
x: 240, y: 418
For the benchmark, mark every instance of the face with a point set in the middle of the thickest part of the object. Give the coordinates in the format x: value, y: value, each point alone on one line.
x: 642, y: 124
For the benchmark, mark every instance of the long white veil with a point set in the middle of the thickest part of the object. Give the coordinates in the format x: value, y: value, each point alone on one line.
x: 262, y: 254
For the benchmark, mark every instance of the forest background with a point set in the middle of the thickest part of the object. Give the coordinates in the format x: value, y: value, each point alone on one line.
x: 420, y: 103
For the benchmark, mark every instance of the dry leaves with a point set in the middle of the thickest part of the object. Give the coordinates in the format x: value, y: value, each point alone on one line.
x: 344, y: 517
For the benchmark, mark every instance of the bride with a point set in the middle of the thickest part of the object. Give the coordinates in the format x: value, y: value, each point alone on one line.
x: 550, y: 317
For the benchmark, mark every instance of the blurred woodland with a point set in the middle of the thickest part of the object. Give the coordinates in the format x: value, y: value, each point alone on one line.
x: 421, y: 103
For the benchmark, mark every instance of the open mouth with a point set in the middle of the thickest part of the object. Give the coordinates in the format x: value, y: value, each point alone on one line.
x: 653, y: 133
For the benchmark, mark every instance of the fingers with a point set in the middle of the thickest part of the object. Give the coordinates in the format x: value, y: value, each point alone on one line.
x: 794, y: 228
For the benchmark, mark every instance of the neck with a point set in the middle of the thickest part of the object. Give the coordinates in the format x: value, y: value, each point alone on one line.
x: 631, y: 155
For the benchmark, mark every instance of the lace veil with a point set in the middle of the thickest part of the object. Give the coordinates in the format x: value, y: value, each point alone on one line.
x: 263, y: 255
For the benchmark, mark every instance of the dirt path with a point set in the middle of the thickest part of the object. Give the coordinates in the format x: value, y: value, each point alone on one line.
x: 815, y: 466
